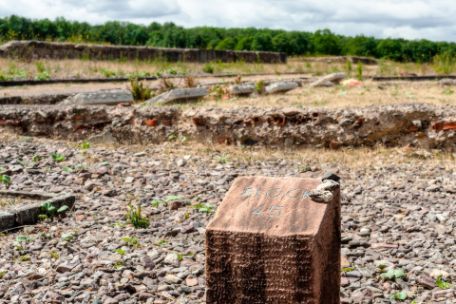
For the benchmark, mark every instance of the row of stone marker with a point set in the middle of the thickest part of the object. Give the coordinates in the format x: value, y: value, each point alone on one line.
x: 122, y: 96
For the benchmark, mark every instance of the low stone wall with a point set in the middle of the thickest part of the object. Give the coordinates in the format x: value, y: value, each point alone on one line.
x: 423, y: 126
x: 54, y: 50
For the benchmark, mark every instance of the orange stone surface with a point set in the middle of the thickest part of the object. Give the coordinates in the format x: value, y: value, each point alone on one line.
x: 270, y: 243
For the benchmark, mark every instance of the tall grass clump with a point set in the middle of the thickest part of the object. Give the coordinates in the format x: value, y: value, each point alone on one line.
x: 139, y: 91
x: 348, y: 67
x: 444, y: 63
x: 359, y: 71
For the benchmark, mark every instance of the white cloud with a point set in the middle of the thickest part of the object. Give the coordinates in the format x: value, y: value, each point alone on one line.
x: 431, y: 19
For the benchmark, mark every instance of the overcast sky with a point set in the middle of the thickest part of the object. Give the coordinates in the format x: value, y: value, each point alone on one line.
x: 413, y: 19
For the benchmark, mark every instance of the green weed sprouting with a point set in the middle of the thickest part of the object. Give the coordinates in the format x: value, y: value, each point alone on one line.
x: 135, y: 217
x: 139, y: 91
x: 359, y: 71
x: 204, y: 207
x: 259, y: 87
x: 442, y: 284
x: 49, y: 210
x: 5, y: 180
x: 57, y: 157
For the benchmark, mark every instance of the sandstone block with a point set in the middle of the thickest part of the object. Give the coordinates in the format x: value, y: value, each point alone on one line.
x: 275, y: 240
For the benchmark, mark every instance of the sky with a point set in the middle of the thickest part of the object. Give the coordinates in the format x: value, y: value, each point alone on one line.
x: 411, y: 19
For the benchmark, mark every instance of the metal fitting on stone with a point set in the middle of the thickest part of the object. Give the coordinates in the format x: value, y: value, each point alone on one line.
x: 321, y: 196
x: 323, y: 193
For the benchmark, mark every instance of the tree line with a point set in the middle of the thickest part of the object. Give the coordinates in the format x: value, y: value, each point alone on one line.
x: 321, y: 42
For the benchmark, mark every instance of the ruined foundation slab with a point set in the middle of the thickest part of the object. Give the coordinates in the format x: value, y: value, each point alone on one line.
x: 270, y: 242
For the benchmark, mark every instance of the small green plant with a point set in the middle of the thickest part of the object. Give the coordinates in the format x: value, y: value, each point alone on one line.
x: 42, y: 72
x: 139, y: 91
x: 208, y: 68
x: 448, y: 91
x: 161, y: 243
x: 50, y: 210
x: 108, y: 73
x: 222, y: 159
x: 442, y: 284
x: 259, y: 87
x: 23, y: 239
x: 131, y: 241
x: 54, y: 254
x: 67, y: 169
x: 393, y: 274
x: 119, y: 224
x: 180, y: 257
x: 157, y: 203
x: 168, y: 199
x: 85, y: 145
x: 5, y: 180
x: 400, y: 296
x: 359, y: 71
x: 118, y: 265
x: 14, y: 72
x: 172, y: 71
x: 36, y: 158
x: 186, y: 215
x: 204, y: 207
x: 121, y: 251
x: 218, y: 92
x: 347, y: 269
x: 135, y: 217
x: 172, y: 136
x: 68, y: 237
x: 3, y: 273
x: 24, y: 258
x: 57, y: 157
x: 172, y: 198
x: 42, y: 217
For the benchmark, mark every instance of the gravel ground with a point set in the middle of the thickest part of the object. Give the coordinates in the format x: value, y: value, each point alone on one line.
x: 398, y: 217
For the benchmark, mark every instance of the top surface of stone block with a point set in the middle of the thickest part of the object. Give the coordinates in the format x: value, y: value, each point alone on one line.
x: 270, y: 205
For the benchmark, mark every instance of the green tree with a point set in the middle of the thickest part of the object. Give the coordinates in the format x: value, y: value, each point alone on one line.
x: 326, y: 43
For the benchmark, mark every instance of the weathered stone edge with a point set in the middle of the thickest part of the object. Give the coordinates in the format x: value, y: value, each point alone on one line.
x: 28, y: 214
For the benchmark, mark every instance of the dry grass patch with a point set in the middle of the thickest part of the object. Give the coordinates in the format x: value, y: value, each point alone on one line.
x: 7, y: 201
